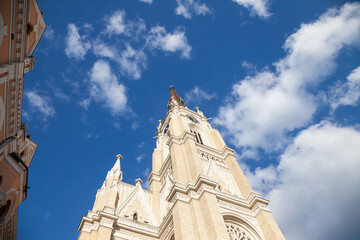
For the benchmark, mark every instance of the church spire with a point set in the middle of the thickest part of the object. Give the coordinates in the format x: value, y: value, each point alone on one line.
x: 174, y: 99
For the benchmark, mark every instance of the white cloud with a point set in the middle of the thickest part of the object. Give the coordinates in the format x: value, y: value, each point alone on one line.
x: 131, y: 61
x: 85, y: 103
x: 92, y: 135
x: 26, y: 115
x: 159, y: 38
x: 188, y: 8
x: 146, y: 1
x: 134, y: 125
x: 135, y: 29
x: 140, y: 157
x: 256, y: 7
x: 61, y: 95
x: 262, y: 109
x: 141, y: 145
x: 348, y: 93
x: 106, y: 88
x: 116, y: 24
x: 40, y: 104
x: 146, y: 184
x: 262, y: 179
x: 146, y: 172
x: 316, y: 183
x: 196, y: 95
x: 102, y: 50
x: 76, y: 45
x: 49, y: 33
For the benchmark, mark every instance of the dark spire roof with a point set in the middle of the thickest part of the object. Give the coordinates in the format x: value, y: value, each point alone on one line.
x: 175, y: 99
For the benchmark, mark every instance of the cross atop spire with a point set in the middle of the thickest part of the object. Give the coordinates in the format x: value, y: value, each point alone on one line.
x: 174, y: 99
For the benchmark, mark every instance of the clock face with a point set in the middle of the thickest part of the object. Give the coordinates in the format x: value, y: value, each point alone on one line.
x: 192, y: 119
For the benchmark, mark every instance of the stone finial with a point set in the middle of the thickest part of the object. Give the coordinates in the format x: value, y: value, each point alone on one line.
x: 138, y: 181
x: 159, y: 126
x: 119, y: 157
x: 199, y: 112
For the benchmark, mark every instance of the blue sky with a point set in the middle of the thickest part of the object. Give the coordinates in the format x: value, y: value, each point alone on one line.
x: 280, y: 80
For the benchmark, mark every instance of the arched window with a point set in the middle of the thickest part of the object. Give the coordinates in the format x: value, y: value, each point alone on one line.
x: 237, y: 233
x: 135, y: 217
x: 239, y: 229
x: 198, y: 138
x: 4, y: 209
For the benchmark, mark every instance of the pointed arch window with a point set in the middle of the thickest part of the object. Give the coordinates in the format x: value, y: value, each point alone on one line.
x: 198, y: 138
x: 135, y: 216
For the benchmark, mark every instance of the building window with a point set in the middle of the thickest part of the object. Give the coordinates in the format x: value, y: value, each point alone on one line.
x: 197, y: 137
x: 4, y: 209
x: 166, y: 129
x: 135, y: 217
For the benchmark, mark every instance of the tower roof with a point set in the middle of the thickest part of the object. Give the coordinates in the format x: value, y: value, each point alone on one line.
x: 174, y: 99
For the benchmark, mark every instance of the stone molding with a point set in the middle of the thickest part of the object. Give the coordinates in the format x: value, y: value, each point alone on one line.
x: 191, y: 189
x: 138, y: 226
x: 180, y: 140
x: 92, y: 221
x: 105, y: 218
x: 203, y: 149
x: 254, y: 202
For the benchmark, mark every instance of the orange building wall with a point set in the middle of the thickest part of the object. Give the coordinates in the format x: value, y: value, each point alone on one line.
x: 33, y: 17
x: 4, y: 48
x: 2, y: 94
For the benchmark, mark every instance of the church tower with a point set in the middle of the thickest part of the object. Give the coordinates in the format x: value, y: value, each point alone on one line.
x: 197, y: 190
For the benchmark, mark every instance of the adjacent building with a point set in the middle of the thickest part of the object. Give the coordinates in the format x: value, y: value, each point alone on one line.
x: 197, y: 190
x: 21, y: 27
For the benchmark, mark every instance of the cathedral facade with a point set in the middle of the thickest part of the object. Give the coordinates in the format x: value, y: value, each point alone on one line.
x: 197, y: 190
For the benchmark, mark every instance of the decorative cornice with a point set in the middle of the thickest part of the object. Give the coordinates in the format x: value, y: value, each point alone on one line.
x: 106, y: 218
x: 180, y: 140
x: 191, y: 189
x: 123, y: 222
x: 216, y: 153
x: 93, y: 220
x: 254, y: 202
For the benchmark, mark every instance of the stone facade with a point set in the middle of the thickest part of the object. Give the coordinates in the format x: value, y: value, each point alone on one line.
x: 197, y: 190
x: 21, y: 27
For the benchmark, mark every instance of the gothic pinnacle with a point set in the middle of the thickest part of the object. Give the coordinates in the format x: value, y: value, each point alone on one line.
x: 174, y: 99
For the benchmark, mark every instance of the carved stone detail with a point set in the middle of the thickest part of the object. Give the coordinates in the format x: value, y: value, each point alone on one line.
x: 218, y: 171
x: 106, y: 222
x: 238, y: 233
x: 167, y: 182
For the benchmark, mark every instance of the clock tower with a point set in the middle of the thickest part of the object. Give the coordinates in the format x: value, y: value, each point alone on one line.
x: 197, y: 190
